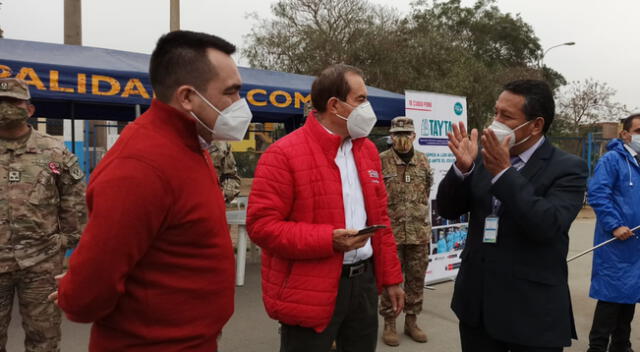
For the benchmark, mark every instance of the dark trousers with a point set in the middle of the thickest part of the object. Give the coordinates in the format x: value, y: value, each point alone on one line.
x: 611, y: 320
x: 476, y: 339
x: 354, y: 325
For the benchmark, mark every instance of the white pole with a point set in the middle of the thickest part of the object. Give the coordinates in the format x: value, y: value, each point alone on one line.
x: 598, y: 246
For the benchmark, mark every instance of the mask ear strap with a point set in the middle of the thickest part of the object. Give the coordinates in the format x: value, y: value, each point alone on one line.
x: 200, y: 122
x: 206, y: 101
x: 524, y: 124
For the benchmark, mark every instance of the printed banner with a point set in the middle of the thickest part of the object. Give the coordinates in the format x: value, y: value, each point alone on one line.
x: 433, y: 117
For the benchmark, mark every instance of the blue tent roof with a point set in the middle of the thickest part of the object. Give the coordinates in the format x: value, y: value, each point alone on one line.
x: 96, y: 83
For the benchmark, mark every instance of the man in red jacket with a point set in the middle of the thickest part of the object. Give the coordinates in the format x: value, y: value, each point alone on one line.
x: 313, y: 190
x: 156, y: 252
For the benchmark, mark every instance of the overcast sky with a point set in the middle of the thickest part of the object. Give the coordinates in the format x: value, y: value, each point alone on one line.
x: 606, y: 33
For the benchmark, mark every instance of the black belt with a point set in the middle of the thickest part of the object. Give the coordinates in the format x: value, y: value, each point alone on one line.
x: 356, y: 269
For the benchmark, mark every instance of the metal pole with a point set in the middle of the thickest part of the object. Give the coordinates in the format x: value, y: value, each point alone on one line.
x: 73, y: 22
x: 598, y: 246
x: 93, y: 159
x: 546, y: 51
x: 174, y: 15
x: 590, y: 138
x: 73, y: 128
x: 87, y: 168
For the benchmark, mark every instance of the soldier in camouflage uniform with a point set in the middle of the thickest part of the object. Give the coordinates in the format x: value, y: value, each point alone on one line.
x: 225, y: 165
x: 42, y: 213
x: 408, y: 178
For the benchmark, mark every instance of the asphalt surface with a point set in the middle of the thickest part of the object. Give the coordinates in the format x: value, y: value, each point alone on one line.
x: 250, y: 329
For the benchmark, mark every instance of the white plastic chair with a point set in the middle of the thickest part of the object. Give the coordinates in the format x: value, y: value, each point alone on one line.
x: 241, y: 202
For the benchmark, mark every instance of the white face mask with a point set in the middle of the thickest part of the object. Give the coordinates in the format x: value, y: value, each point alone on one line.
x: 635, y: 143
x: 361, y: 120
x: 232, y: 122
x: 502, y: 131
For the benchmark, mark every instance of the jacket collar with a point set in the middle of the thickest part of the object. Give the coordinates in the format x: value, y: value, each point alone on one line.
x: 328, y: 142
x: 537, y: 160
x: 619, y: 146
x: 172, y: 123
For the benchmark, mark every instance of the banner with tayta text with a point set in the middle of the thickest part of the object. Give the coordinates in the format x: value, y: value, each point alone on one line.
x: 433, y: 115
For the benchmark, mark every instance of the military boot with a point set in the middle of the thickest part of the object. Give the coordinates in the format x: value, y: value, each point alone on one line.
x: 412, y: 330
x: 389, y: 335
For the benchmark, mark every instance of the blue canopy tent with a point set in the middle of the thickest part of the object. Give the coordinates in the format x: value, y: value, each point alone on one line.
x: 79, y: 82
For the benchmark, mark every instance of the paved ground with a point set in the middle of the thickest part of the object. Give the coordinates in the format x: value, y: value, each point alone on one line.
x: 251, y: 330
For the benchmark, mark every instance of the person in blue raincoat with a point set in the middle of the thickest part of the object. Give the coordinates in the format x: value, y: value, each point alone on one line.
x: 614, y: 195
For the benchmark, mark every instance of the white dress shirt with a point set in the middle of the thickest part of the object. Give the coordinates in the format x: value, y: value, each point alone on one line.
x: 354, y: 211
x: 355, y: 215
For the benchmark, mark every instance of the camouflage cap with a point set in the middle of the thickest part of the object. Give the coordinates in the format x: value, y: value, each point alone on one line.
x: 14, y: 88
x: 401, y: 124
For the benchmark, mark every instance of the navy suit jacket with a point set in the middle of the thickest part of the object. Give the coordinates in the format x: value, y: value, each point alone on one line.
x: 517, y: 288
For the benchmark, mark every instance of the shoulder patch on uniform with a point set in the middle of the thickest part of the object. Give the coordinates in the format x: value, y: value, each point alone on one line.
x: 76, y: 173
x: 73, y: 159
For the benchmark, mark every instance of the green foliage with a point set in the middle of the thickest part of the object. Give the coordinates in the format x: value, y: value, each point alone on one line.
x: 440, y: 46
x: 473, y: 52
x: 305, y: 36
x: 493, y: 38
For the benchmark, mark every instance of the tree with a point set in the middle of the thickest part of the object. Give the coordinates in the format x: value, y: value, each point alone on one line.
x: 584, y: 103
x: 487, y: 49
x: 494, y: 38
x: 440, y: 46
x: 307, y: 35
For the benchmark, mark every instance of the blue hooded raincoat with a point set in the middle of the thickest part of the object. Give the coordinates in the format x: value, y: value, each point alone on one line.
x: 614, y: 195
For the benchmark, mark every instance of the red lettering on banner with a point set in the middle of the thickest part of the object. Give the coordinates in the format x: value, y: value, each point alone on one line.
x: 419, y: 105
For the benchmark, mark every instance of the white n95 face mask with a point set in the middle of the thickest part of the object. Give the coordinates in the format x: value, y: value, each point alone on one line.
x: 361, y: 120
x: 635, y: 143
x: 502, y: 131
x: 232, y: 122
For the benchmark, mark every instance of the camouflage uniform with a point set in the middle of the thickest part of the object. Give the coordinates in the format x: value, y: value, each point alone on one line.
x: 408, y: 187
x: 42, y: 213
x: 226, y: 168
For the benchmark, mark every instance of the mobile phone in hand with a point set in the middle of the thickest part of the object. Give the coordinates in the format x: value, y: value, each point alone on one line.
x: 370, y: 229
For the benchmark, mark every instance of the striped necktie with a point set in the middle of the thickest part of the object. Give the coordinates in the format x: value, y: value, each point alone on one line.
x: 517, y: 163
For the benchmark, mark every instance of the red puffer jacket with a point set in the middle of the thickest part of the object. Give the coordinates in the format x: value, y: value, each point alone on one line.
x: 294, y: 206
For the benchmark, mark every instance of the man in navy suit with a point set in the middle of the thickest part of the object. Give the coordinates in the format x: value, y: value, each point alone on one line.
x: 522, y: 193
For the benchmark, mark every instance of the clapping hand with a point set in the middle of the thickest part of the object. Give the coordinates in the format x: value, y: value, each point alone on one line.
x: 463, y: 147
x: 495, y: 154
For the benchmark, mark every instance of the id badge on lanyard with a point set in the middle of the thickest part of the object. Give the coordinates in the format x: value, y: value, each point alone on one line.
x: 491, y: 229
